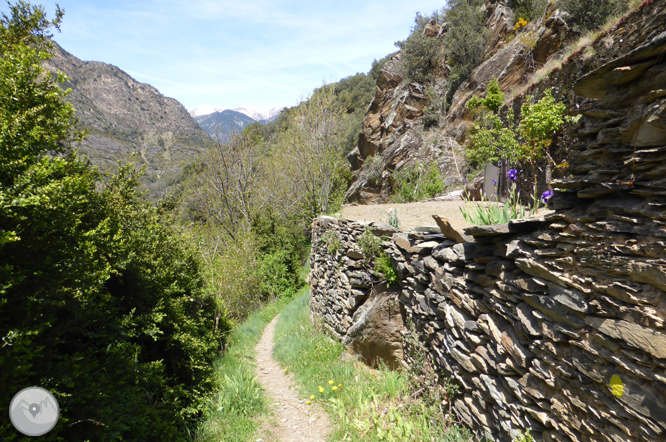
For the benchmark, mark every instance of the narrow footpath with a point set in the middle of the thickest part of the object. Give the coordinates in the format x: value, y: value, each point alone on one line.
x: 294, y: 420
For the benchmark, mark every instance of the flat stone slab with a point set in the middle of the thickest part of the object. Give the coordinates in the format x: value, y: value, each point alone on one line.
x: 494, y: 230
x: 453, y: 230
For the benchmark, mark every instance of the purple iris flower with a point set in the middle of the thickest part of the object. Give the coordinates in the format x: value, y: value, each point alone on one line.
x: 464, y: 181
x: 546, y: 196
x: 512, y: 174
x: 494, y: 182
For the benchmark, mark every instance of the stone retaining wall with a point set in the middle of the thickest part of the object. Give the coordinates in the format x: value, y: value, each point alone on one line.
x: 553, y: 324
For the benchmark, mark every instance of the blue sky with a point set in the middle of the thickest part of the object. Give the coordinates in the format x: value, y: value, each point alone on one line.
x: 243, y: 53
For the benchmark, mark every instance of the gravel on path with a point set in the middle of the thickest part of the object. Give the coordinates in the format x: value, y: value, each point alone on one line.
x: 294, y: 421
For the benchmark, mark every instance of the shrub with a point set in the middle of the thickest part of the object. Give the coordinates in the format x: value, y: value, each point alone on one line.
x: 422, y: 57
x: 494, y: 98
x: 101, y: 301
x: 528, y: 10
x: 592, y: 14
x: 416, y: 182
x: 465, y: 42
x: 385, y: 269
x: 370, y: 245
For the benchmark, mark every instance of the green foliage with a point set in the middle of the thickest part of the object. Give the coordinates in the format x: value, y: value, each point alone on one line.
x: 34, y: 119
x: 493, y: 100
x: 281, y: 250
x: 491, y: 141
x: 371, y: 245
x: 494, y: 96
x: 486, y: 213
x: 525, y: 437
x: 385, y: 269
x: 416, y: 182
x: 462, y: 49
x: 422, y: 56
x: 529, y: 141
x: 392, y: 218
x: 465, y: 41
x: 102, y: 302
x: 528, y: 10
x: 333, y: 242
x: 592, y: 14
x: 372, y: 406
x: 537, y: 125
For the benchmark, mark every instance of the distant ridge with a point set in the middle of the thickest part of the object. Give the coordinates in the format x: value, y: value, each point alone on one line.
x: 258, y: 115
x: 218, y: 124
x: 124, y: 116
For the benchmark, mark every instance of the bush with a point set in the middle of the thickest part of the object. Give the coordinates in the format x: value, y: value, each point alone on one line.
x: 385, y: 269
x: 416, y: 183
x: 281, y: 251
x: 465, y: 41
x: 422, y: 57
x: 370, y: 245
x: 102, y: 303
x: 528, y: 10
x: 592, y: 14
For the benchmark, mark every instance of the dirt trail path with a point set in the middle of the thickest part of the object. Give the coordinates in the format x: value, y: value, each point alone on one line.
x: 294, y: 420
x: 410, y: 214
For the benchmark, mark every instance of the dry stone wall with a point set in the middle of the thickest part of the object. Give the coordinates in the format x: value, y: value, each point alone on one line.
x: 556, y: 324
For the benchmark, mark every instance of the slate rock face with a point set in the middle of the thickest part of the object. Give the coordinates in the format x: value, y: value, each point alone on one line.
x: 393, y: 129
x: 556, y: 323
x: 377, y: 328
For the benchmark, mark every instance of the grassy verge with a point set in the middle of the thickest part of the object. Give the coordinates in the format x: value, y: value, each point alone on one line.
x: 232, y: 413
x: 365, y: 404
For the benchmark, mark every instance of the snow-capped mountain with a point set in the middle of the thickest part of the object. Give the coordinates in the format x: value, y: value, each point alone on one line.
x: 260, y: 115
x: 204, y: 109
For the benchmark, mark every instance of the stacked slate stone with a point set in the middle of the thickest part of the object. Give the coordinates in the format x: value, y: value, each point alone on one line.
x: 341, y: 278
x: 553, y: 324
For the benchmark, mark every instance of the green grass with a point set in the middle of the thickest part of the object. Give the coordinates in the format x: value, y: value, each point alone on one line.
x: 233, y: 412
x: 368, y: 405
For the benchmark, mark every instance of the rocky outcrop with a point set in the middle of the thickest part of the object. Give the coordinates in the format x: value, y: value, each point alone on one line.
x: 377, y: 327
x: 554, y: 323
x: 123, y: 116
x: 394, y: 127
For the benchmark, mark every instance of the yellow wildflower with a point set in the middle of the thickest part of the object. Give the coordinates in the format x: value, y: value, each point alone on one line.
x: 321, y: 389
x: 308, y: 402
x: 331, y: 382
x: 312, y: 397
x: 334, y: 388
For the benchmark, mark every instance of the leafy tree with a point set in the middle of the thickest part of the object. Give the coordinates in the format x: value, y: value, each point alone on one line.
x: 308, y: 154
x: 101, y: 302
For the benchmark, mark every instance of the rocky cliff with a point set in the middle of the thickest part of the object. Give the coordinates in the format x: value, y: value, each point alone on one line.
x: 123, y: 116
x: 394, y: 130
x: 555, y: 324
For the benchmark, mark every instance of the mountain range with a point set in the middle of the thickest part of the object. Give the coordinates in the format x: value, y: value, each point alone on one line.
x: 220, y: 122
x: 123, y: 116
